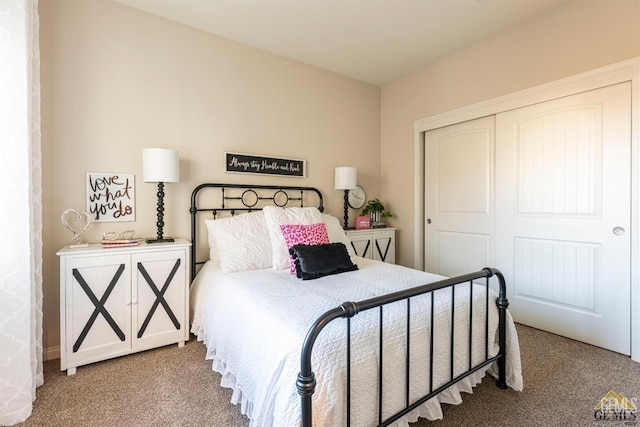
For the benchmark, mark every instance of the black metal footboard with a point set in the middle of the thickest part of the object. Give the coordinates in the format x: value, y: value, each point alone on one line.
x: 306, y: 382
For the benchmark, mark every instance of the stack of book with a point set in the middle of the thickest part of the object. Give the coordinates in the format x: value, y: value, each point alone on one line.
x: 120, y: 243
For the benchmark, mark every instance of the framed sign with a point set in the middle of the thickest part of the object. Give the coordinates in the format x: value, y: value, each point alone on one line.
x: 263, y: 165
x: 111, y: 197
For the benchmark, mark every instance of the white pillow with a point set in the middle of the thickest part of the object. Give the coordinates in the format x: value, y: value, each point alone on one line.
x: 213, y: 248
x: 275, y: 217
x: 242, y: 242
x: 336, y: 232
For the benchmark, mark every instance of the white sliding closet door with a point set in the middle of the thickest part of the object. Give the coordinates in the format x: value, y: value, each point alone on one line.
x: 459, y: 186
x: 543, y: 193
x: 563, y: 179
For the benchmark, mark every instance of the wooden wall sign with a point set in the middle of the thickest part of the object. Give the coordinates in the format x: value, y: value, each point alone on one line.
x: 263, y: 165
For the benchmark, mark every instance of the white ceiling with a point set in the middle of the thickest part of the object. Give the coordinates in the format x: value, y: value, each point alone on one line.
x: 375, y: 41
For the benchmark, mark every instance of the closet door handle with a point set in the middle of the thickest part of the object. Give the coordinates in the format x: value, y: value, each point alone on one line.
x: 618, y: 231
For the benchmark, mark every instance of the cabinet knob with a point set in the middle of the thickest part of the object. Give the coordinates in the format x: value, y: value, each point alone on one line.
x: 428, y: 220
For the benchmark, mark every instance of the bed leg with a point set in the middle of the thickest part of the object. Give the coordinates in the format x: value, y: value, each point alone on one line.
x: 502, y: 340
x: 306, y: 386
x: 503, y: 303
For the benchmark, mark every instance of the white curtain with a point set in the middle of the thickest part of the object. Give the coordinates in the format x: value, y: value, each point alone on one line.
x: 20, y: 211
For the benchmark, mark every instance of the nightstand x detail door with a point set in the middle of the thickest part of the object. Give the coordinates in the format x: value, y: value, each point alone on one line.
x: 159, y: 312
x: 99, y: 290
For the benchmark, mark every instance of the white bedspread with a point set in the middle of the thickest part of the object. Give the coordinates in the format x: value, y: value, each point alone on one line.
x: 254, y: 323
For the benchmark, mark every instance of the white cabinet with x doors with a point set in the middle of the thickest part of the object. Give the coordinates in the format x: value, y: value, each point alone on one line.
x: 374, y: 243
x: 118, y: 301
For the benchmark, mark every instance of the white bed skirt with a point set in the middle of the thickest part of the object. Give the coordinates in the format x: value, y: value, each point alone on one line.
x: 431, y: 409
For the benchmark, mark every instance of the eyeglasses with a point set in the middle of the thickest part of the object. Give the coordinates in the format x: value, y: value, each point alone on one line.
x: 113, y: 235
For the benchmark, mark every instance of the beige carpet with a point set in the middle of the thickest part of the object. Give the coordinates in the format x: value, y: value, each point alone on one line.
x: 172, y: 386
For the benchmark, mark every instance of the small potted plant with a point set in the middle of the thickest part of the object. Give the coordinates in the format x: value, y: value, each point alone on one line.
x: 376, y: 211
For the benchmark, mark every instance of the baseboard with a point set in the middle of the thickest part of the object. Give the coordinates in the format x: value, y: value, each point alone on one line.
x: 51, y: 353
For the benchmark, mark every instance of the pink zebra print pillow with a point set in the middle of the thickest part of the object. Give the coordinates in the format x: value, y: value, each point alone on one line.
x: 300, y: 234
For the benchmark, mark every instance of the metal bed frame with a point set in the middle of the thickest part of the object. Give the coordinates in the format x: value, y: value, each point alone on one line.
x: 306, y: 379
x: 238, y: 198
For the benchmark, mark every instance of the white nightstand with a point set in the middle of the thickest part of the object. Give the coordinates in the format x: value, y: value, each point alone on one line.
x: 118, y: 301
x: 374, y: 243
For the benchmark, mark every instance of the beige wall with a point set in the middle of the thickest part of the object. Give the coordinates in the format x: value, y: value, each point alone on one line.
x: 580, y: 36
x: 116, y: 80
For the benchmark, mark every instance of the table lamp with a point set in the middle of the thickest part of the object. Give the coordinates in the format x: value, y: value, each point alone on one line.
x: 345, y: 179
x: 160, y: 165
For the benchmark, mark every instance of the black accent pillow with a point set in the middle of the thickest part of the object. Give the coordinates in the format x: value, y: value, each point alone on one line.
x: 314, y: 261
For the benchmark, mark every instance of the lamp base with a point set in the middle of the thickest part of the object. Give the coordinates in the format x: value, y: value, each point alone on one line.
x: 346, y: 209
x: 164, y: 240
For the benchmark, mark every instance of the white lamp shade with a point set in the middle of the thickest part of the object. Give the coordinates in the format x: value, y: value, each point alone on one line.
x: 346, y: 178
x: 160, y: 165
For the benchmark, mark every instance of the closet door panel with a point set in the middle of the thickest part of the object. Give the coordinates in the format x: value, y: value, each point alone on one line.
x: 563, y: 214
x: 459, y: 222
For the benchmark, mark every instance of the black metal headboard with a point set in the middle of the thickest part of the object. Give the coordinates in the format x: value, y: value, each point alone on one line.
x: 238, y: 198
